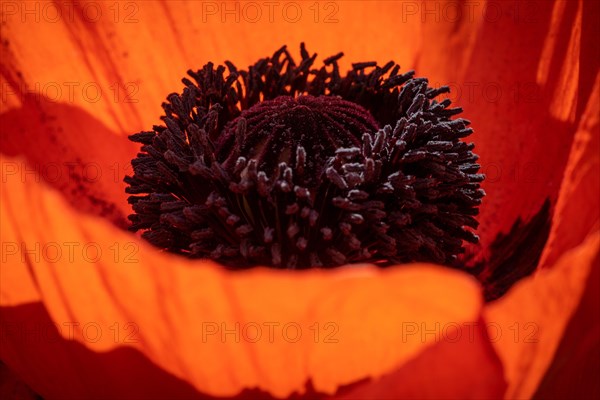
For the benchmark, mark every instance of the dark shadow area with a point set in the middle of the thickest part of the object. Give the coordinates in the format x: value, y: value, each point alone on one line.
x: 70, y: 150
x: 11, y: 387
x: 58, y: 368
x: 590, y: 31
x: 124, y: 371
x: 574, y: 371
x: 463, y: 366
x: 514, y: 255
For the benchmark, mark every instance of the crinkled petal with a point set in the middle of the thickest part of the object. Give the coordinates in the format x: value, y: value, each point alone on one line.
x: 546, y: 314
x: 86, y: 74
x: 136, y: 53
x: 528, y: 323
x: 578, y: 210
x: 219, y: 331
x: 576, y: 363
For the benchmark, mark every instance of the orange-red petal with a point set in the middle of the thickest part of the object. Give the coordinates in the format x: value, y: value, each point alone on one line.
x: 553, y: 307
x: 576, y: 363
x: 530, y: 320
x: 577, y: 210
x: 87, y: 74
x: 521, y: 72
x: 462, y: 365
x: 349, y: 322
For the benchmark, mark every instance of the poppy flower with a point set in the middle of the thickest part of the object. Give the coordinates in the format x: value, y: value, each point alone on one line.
x: 90, y: 310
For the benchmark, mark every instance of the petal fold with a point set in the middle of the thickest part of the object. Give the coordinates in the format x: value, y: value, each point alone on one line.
x: 577, y: 210
x: 518, y: 77
x: 222, y: 332
x: 528, y: 323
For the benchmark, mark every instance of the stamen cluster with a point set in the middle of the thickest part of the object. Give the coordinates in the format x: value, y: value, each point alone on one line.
x: 294, y: 167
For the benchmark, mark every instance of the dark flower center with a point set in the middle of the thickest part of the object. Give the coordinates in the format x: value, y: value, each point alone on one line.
x: 293, y: 167
x: 271, y: 132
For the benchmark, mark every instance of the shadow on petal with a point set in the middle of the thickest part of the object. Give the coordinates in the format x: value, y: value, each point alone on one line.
x: 67, y: 369
x: 72, y: 151
x: 173, y: 300
x: 576, y: 364
x: 12, y: 387
x: 461, y: 365
x: 512, y: 256
x: 531, y: 319
x: 520, y: 87
x: 70, y: 370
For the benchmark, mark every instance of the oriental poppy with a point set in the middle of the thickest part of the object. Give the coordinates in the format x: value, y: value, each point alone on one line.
x: 90, y: 310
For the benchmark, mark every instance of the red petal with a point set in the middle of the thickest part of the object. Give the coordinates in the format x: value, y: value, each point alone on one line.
x: 71, y: 151
x: 462, y: 365
x: 349, y: 320
x: 527, y: 324
x: 577, y: 361
x: 576, y: 365
x: 75, y: 83
x: 518, y: 70
x: 577, y: 210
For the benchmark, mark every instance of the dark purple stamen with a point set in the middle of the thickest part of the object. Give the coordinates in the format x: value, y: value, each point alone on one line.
x: 294, y: 167
x: 271, y: 132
